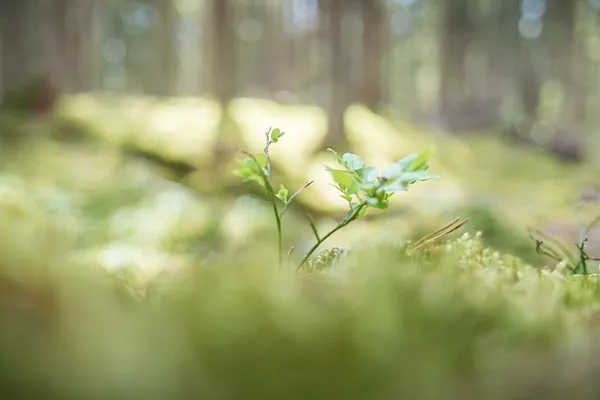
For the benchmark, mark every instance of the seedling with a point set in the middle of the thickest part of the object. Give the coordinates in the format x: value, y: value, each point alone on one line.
x: 258, y: 169
x: 362, y: 186
x: 578, y: 260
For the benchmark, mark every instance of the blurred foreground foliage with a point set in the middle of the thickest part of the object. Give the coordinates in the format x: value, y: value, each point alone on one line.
x: 381, y: 325
x: 117, y: 282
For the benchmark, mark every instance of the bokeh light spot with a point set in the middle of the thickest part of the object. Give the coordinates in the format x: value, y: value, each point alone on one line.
x: 530, y: 28
x: 114, y: 50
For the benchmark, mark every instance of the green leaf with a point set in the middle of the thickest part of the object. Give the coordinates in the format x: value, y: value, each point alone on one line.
x: 421, y: 161
x: 346, y: 197
x: 372, y: 201
x: 262, y: 160
x: 406, y: 162
x: 252, y: 168
x: 276, y: 134
x: 417, y: 176
x: 395, y: 186
x: 282, y: 194
x: 378, y: 200
x: 350, y: 215
x: 368, y: 174
x: 392, y: 171
x: 402, y: 182
x: 352, y: 161
x: 248, y: 176
x: 248, y: 170
x: 369, y: 186
x: 361, y: 213
x: 345, y: 179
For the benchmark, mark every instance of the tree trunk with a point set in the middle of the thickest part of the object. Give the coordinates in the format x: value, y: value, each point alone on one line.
x: 63, y: 55
x: 71, y: 55
x: 12, y: 18
x: 98, y: 9
x: 25, y: 80
x: 223, y: 71
x: 529, y: 84
x: 163, y: 74
x: 501, y: 41
x: 372, y: 58
x: 222, y: 79
x: 456, y: 33
x: 458, y: 108
x: 330, y: 19
x: 569, y: 138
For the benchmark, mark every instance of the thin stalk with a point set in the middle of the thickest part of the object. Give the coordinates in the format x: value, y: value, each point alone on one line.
x: 294, y: 195
x: 560, y: 246
x: 279, y: 234
x: 351, y: 216
x: 266, y: 151
x: 434, y: 234
x: 438, y: 234
x: 273, y: 201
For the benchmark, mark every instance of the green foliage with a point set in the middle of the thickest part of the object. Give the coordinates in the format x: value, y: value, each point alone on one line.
x: 467, y: 318
x: 251, y: 168
x: 258, y: 169
x: 577, y: 260
x: 499, y: 233
x: 326, y: 259
x: 360, y: 185
x: 363, y: 186
x: 373, y: 322
x: 276, y: 134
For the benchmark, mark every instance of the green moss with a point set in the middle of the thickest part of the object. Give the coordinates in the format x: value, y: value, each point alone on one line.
x: 464, y: 321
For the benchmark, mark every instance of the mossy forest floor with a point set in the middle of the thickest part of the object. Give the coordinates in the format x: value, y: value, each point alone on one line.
x: 123, y: 277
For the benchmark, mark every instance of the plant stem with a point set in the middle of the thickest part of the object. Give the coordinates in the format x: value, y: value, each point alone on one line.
x: 438, y: 234
x: 349, y: 218
x: 279, y: 234
x: 273, y: 201
x: 266, y: 151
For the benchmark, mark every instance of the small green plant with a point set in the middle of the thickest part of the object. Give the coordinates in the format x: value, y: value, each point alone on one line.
x: 577, y: 261
x: 258, y: 169
x: 362, y: 186
x: 326, y: 259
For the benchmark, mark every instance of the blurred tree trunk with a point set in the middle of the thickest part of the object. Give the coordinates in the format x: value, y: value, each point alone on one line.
x: 12, y: 19
x: 72, y: 50
x: 559, y: 43
x: 62, y: 54
x: 529, y: 84
x: 222, y: 79
x: 270, y: 52
x: 98, y: 10
x: 163, y: 79
x: 569, y: 139
x: 455, y: 35
x: 459, y: 105
x: 25, y: 79
x: 222, y: 39
x: 373, y: 13
x: 338, y: 81
x: 501, y: 49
